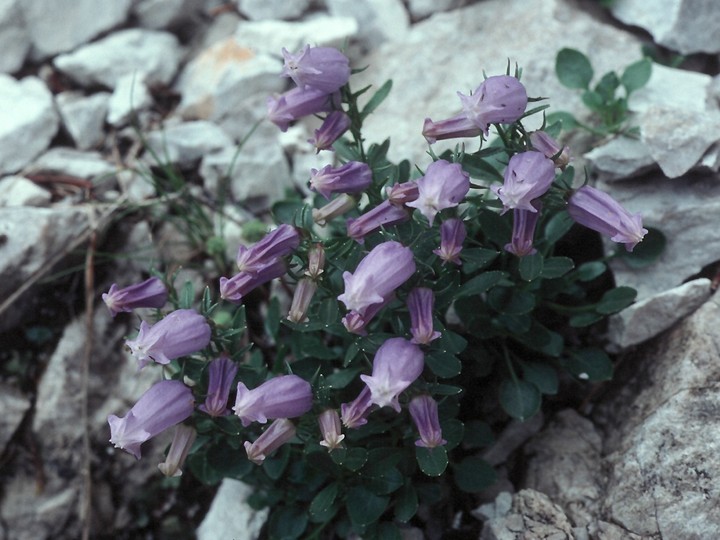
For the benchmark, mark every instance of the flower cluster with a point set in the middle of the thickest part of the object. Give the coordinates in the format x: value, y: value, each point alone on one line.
x: 398, y: 284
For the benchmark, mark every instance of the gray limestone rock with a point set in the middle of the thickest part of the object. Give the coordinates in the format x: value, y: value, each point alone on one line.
x: 221, y: 79
x: 427, y: 73
x: 378, y: 20
x: 84, y: 117
x: 150, y: 53
x: 14, y: 405
x: 74, y: 163
x: 33, y: 240
x: 230, y: 516
x: 130, y: 97
x: 258, y: 172
x: 162, y: 14
x: 649, y: 317
x: 671, y: 88
x: 564, y: 462
x: 684, y: 210
x: 424, y: 8
x: 687, y: 26
x: 29, y: 121
x: 271, y: 36
x: 184, y: 143
x: 676, y: 139
x: 662, y: 433
x: 532, y: 516
x: 19, y: 191
x: 60, y: 26
x: 14, y: 39
x: 619, y: 159
x: 272, y: 9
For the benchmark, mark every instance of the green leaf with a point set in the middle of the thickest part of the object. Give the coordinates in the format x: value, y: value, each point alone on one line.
x: 566, y: 120
x: 445, y: 390
x: 543, y: 376
x: 444, y: 365
x: 377, y: 99
x: 646, y: 252
x: 363, y: 506
x: 285, y: 211
x: 322, y: 507
x: 636, y: 75
x: 341, y: 378
x: 573, y: 68
x: 432, y: 461
x: 287, y: 523
x: 581, y: 320
x: 453, y: 431
x: 406, y: 503
x: 275, y: 466
x: 383, y: 482
x: 530, y: 266
x: 481, y: 283
x: 478, y: 434
x: 591, y: 364
x: 616, y: 300
x: 607, y: 86
x: 511, y: 301
x: 350, y: 458
x: 475, y: 259
x: 272, y: 319
x: 495, y: 228
x: 593, y: 101
x: 520, y: 399
x: 558, y: 226
x: 590, y: 270
x: 187, y: 296
x: 473, y: 474
x: 556, y: 267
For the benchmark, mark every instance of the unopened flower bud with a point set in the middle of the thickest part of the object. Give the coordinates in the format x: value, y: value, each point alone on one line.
x: 329, y: 422
x: 337, y: 207
x: 279, y: 432
x: 182, y: 442
x: 316, y: 262
x: 304, y: 292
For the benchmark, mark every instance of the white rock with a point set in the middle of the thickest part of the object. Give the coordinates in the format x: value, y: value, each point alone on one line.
x: 423, y: 8
x: 29, y: 121
x: 162, y: 14
x: 272, y: 9
x: 75, y: 163
x: 646, y: 319
x: 60, y: 26
x: 271, y: 36
x: 186, y: 142
x: 258, y: 173
x: 222, y: 78
x: 14, y: 39
x: 620, y: 159
x: 678, y: 139
x: 136, y: 186
x: 378, y: 20
x: 687, y: 26
x: 34, y: 238
x: 230, y: 516
x: 13, y: 405
x: 131, y: 95
x: 19, y: 191
x: 84, y: 117
x: 151, y: 53
x: 685, y: 211
x: 674, y: 88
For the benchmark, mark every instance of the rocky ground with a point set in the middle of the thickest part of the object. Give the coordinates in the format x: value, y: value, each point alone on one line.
x: 91, y: 92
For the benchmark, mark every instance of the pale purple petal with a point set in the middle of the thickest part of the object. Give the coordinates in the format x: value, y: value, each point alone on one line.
x: 420, y: 303
x: 528, y: 176
x: 181, y: 333
x: 151, y: 293
x: 222, y: 372
x: 322, y: 68
x: 165, y: 404
x: 353, y: 177
x: 286, y: 396
x: 501, y: 99
x: 424, y: 412
x: 444, y: 185
x: 277, y: 434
